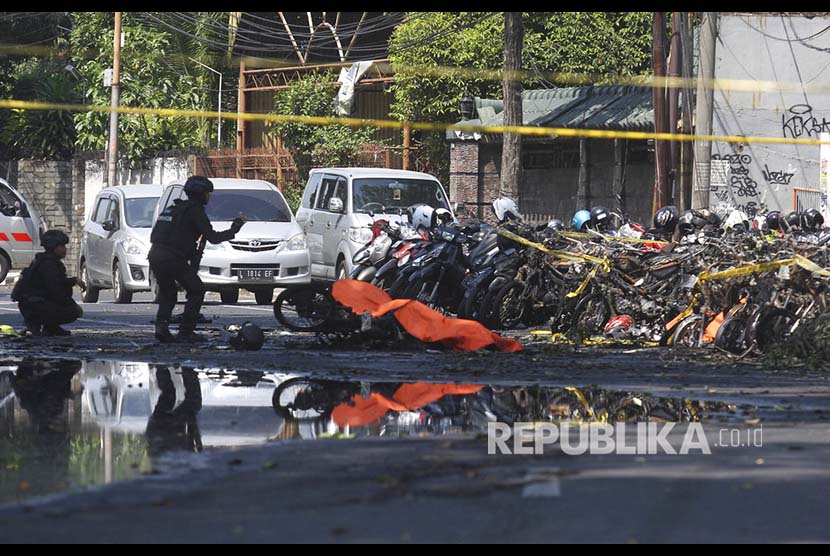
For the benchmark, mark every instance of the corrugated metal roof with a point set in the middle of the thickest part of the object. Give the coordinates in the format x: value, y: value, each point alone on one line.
x: 591, y: 107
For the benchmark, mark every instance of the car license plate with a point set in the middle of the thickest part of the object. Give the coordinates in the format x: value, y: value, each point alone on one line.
x: 257, y: 275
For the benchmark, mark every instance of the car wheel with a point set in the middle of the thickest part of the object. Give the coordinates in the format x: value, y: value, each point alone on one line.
x: 91, y: 293
x: 5, y: 266
x: 229, y: 297
x: 120, y: 293
x: 264, y: 297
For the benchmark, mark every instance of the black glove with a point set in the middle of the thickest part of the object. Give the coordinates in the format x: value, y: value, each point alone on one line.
x: 237, y: 225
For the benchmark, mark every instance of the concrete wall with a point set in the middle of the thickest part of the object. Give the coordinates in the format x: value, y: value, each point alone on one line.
x: 56, y: 190
x: 769, y: 48
x: 156, y: 170
x: 545, y: 193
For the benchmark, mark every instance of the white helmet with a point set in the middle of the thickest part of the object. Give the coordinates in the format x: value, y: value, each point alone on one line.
x: 441, y: 216
x: 505, y: 208
x: 422, y: 217
x: 737, y: 218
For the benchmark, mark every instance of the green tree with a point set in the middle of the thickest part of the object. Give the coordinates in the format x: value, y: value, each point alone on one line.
x: 315, y: 145
x: 155, y: 73
x: 603, y: 44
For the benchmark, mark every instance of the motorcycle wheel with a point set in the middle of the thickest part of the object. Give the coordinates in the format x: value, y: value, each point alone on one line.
x: 508, y: 306
x: 486, y: 313
x: 304, y: 308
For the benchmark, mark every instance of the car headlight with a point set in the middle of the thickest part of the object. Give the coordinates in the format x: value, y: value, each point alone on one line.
x: 132, y: 246
x: 360, y: 235
x: 296, y: 243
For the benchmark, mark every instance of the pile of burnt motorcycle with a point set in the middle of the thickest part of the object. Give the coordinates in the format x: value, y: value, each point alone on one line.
x: 699, y: 278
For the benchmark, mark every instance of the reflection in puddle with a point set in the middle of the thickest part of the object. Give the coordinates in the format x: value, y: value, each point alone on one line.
x: 65, y: 425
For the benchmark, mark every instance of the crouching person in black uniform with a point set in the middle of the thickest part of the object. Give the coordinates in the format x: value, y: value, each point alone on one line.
x: 44, y: 292
x: 174, y: 256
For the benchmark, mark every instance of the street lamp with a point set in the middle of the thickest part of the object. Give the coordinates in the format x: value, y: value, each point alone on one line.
x: 71, y: 69
x: 219, y: 103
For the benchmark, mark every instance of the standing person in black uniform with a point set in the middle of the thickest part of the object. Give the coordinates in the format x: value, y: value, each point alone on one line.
x: 174, y: 256
x: 44, y: 292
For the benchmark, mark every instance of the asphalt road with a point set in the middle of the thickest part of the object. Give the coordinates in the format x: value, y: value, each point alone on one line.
x: 450, y: 489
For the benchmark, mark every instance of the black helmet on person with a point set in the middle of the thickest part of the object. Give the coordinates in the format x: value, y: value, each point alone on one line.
x: 51, y: 239
x: 249, y: 338
x: 666, y: 219
x: 198, y: 187
x: 600, y: 219
x: 811, y: 220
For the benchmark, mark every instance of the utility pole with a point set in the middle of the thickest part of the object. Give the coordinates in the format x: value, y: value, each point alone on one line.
x: 240, y: 123
x: 705, y: 102
x: 511, y: 155
x: 661, y: 151
x: 687, y: 150
x: 218, y: 102
x: 675, y: 66
x: 112, y: 161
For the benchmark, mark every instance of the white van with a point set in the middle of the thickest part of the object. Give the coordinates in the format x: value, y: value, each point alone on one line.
x: 340, y: 204
x: 20, y: 229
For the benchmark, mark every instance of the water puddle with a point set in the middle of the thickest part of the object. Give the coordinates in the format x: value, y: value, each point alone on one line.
x: 66, y: 425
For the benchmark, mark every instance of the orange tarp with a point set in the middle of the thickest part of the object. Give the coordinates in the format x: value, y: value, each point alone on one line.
x: 419, y: 320
x: 409, y: 397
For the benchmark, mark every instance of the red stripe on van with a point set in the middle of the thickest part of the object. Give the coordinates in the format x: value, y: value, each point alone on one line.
x: 23, y: 238
x: 4, y: 237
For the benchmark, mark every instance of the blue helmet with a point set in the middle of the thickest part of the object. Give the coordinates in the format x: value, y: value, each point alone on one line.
x: 580, y: 219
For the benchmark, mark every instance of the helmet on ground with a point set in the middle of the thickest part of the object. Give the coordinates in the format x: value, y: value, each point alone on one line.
x: 422, y: 217
x: 580, y: 219
x: 713, y: 219
x: 737, y: 219
x: 197, y: 186
x: 792, y: 221
x: 505, y: 208
x: 249, y: 338
x: 600, y: 218
x: 811, y: 220
x: 51, y: 239
x: 440, y: 216
x: 691, y: 221
x: 775, y: 220
x: 619, y: 326
x: 556, y: 224
x: 666, y: 219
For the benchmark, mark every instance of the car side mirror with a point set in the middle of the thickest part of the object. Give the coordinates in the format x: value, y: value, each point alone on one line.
x: 336, y: 204
x: 109, y: 225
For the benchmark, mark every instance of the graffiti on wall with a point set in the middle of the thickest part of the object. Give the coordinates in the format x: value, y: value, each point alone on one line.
x: 737, y: 186
x: 799, y: 120
x: 777, y: 177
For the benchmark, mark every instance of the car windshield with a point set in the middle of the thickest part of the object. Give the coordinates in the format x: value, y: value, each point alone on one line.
x: 390, y: 194
x: 140, y: 212
x: 257, y: 205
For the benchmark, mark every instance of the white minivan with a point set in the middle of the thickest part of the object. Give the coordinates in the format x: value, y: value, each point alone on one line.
x: 20, y: 229
x: 340, y: 204
x: 269, y: 252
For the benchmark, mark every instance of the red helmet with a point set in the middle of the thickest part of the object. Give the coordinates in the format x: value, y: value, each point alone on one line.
x: 619, y: 326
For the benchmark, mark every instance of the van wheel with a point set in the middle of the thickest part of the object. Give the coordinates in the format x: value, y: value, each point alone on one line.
x: 264, y: 297
x: 5, y: 266
x: 229, y: 297
x: 91, y: 293
x: 340, y: 273
x: 120, y: 293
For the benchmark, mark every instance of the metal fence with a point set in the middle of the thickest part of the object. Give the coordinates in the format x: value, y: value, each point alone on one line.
x: 805, y: 199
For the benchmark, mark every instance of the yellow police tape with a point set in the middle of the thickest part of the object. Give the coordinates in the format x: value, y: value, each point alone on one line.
x: 604, y: 263
x: 580, y: 235
x: 6, y: 330
x: 532, y: 131
x: 798, y: 260
x: 581, y: 397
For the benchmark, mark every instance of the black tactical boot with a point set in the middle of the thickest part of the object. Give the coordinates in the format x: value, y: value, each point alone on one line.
x: 163, y: 334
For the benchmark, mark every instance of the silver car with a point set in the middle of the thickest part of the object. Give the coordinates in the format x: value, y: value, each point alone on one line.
x: 269, y: 252
x: 116, y: 241
x: 20, y: 229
